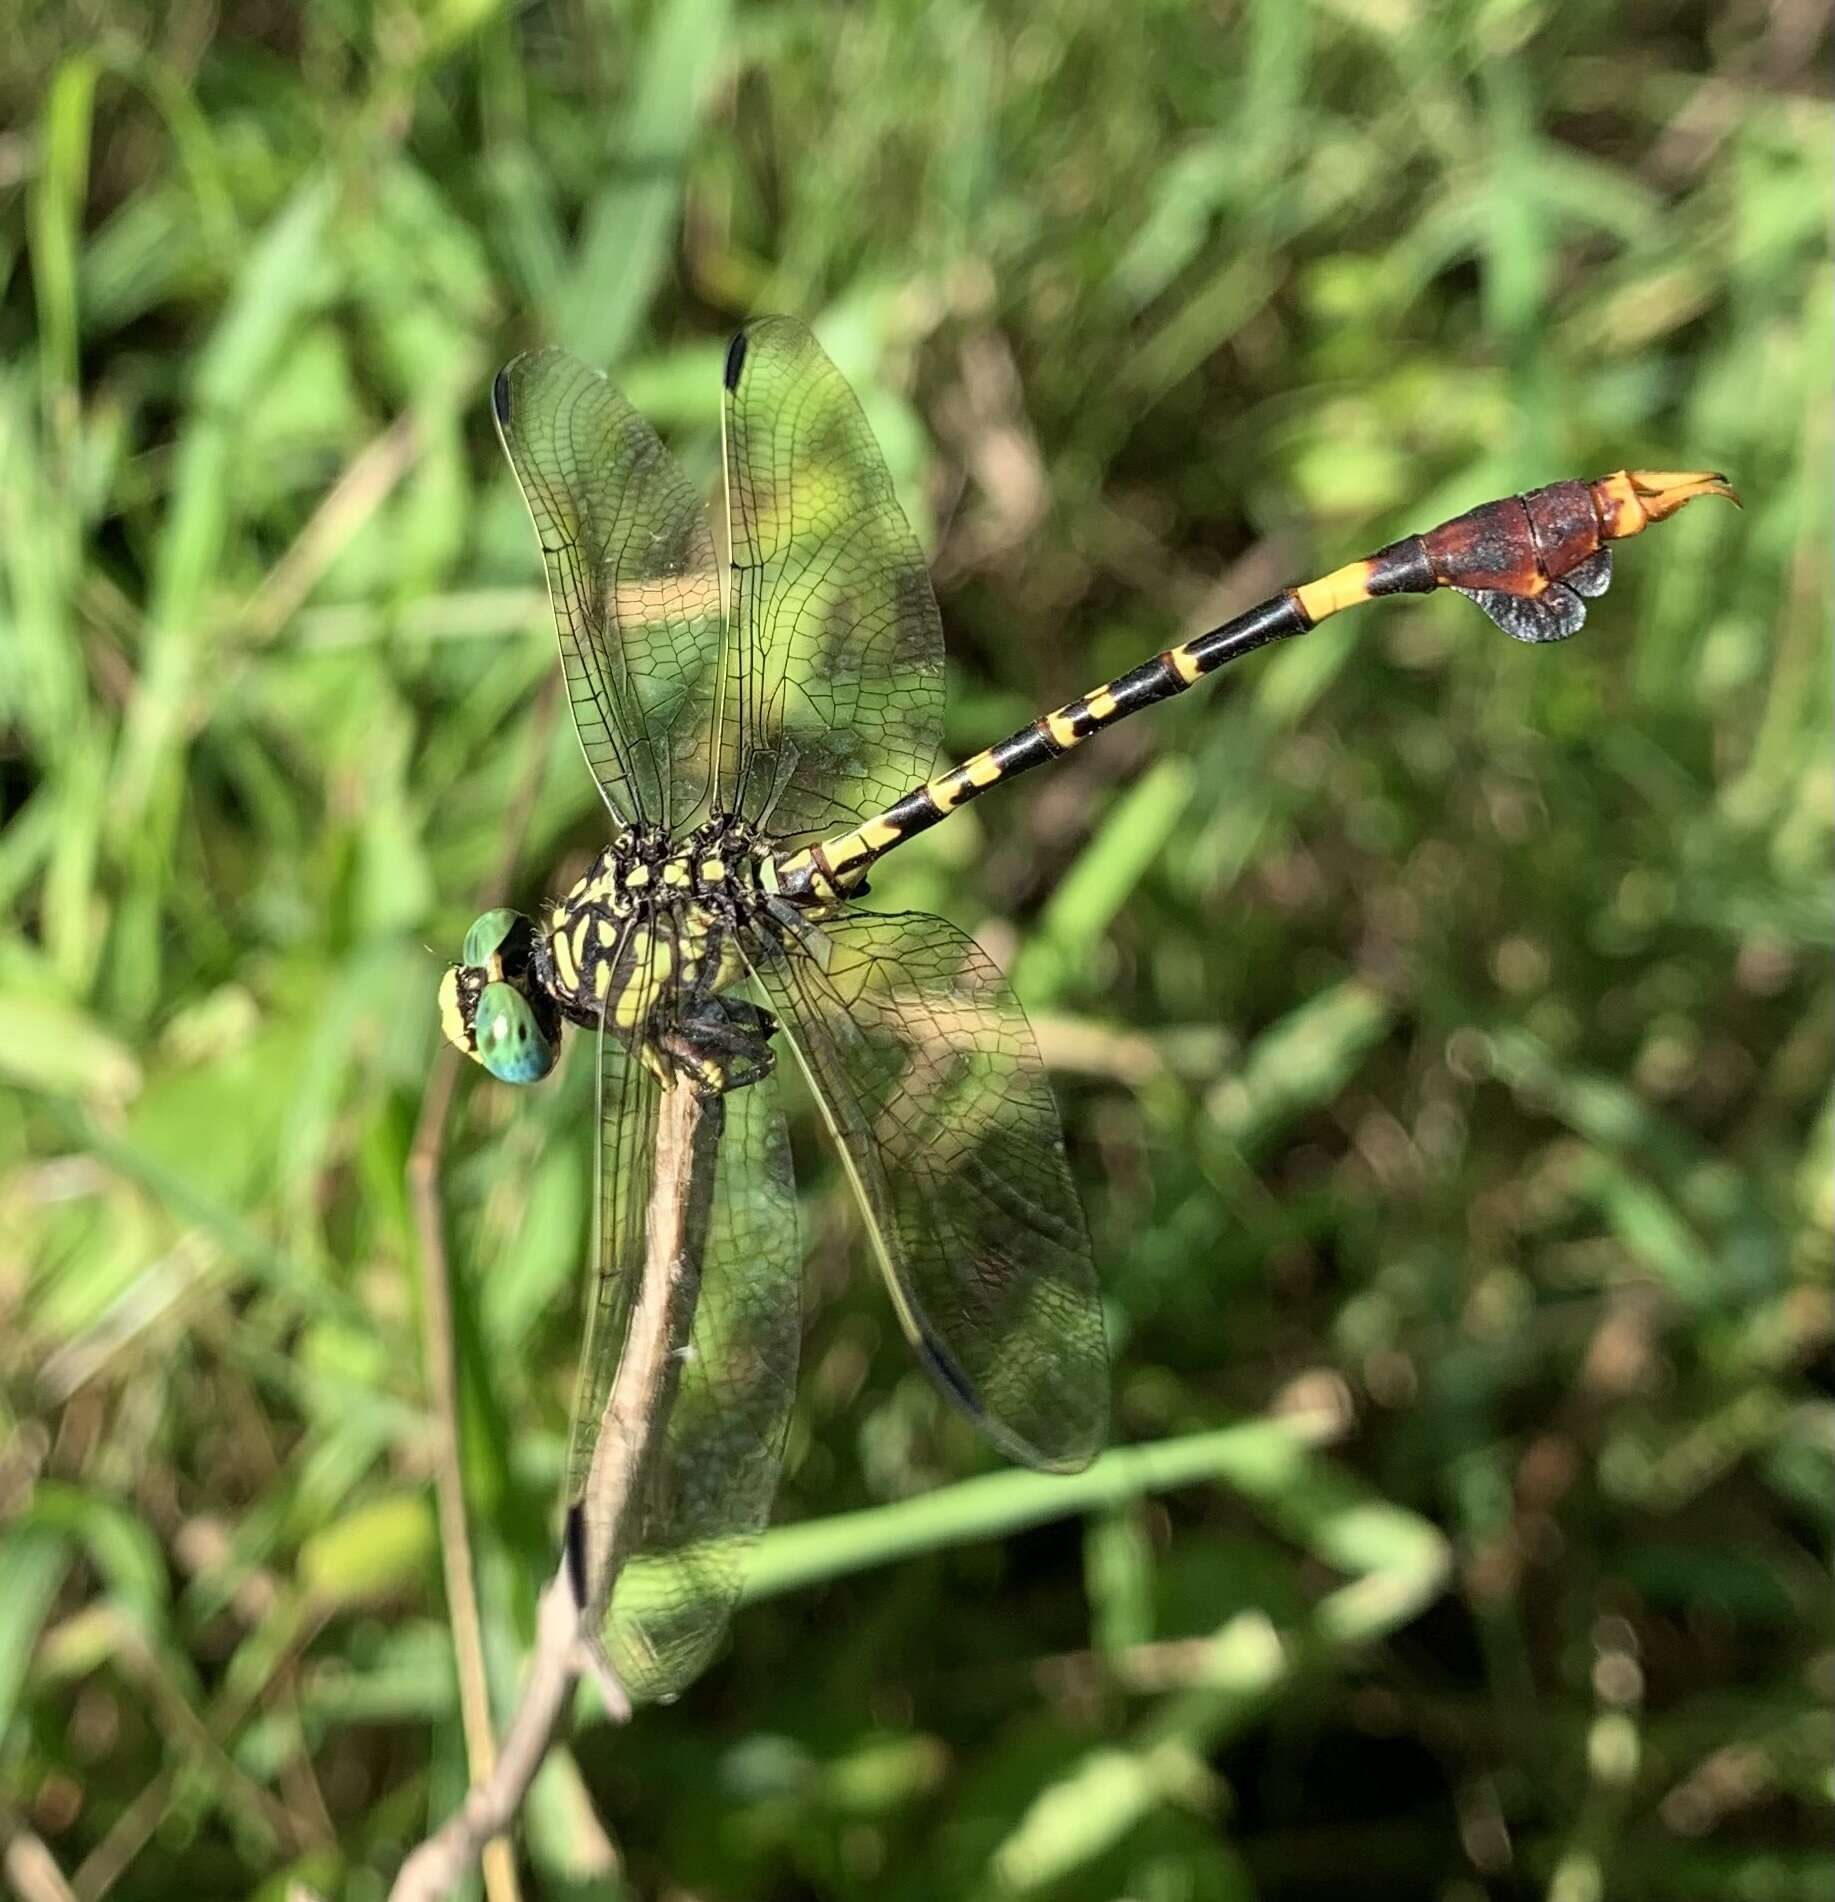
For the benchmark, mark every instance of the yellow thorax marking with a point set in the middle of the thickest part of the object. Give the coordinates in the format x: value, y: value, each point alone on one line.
x: 637, y: 876
x: 675, y: 873
x: 646, y: 982
x: 713, y: 870
x: 732, y: 965
x: 565, y: 962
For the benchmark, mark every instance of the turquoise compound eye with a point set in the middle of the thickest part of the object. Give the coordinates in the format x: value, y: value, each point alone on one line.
x: 487, y: 934
x: 510, y: 1042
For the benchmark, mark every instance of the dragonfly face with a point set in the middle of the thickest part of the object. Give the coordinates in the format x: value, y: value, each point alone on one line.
x: 491, y: 1006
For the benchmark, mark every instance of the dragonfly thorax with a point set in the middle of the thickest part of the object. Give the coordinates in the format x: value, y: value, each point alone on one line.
x: 653, y: 920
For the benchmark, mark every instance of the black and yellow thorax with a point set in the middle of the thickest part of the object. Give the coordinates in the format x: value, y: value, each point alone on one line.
x: 653, y: 918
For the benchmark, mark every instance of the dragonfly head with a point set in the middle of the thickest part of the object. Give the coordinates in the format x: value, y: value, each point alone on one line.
x: 492, y: 1008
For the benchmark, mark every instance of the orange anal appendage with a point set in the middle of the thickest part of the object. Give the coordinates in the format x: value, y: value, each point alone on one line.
x: 1630, y: 500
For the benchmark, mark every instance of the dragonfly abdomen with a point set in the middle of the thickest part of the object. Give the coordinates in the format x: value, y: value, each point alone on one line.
x: 1530, y: 561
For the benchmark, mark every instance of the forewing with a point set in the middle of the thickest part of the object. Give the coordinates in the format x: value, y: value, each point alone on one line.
x: 932, y: 1087
x: 831, y: 701
x: 633, y: 578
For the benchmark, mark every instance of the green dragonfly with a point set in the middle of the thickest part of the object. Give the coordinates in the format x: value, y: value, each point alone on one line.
x: 762, y: 732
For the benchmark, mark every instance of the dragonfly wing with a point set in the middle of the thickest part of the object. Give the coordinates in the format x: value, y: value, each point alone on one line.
x: 708, y: 1484
x: 629, y: 1099
x: 708, y: 1491
x: 831, y: 698
x: 932, y: 1086
x: 632, y: 575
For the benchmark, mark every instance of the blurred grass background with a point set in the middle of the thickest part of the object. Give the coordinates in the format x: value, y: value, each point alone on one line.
x: 1442, y: 1028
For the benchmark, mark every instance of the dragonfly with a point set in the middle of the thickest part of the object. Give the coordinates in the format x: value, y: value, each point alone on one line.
x: 763, y: 729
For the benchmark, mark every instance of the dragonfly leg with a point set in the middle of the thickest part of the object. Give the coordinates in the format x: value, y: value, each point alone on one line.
x: 719, y: 1044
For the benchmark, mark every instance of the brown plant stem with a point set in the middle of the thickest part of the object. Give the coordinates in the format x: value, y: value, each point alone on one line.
x: 567, y: 1640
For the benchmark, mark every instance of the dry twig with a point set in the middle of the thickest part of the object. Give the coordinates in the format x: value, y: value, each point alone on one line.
x: 567, y: 1634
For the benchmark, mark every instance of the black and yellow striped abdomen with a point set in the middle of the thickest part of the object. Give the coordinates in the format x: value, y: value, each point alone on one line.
x: 836, y: 866
x: 1528, y: 560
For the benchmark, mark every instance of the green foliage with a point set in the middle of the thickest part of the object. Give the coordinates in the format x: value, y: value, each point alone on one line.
x: 1442, y: 1027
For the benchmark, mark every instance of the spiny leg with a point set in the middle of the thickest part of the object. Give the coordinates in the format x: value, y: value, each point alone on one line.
x: 718, y: 1043
x: 722, y: 1045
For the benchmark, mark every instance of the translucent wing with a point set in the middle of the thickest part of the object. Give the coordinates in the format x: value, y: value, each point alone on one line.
x: 832, y: 676
x: 931, y: 1084
x: 631, y: 571
x: 628, y: 1098
x: 707, y: 1491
